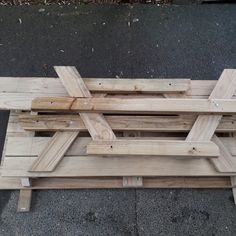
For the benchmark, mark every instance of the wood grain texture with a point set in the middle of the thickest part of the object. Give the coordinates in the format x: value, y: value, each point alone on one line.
x: 116, y: 182
x: 225, y: 162
x: 53, y: 85
x: 24, y: 201
x: 135, y: 105
x: 54, y: 151
x: 32, y: 146
x: 153, y: 148
x: 95, y: 123
x: 205, y: 126
x: 18, y: 92
x: 87, y: 166
x: 61, y: 141
x: 168, y: 123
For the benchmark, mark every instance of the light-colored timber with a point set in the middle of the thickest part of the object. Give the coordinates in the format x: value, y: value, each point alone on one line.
x: 153, y: 148
x: 32, y: 146
x: 225, y: 162
x: 24, y: 200
x: 95, y: 123
x: 205, y: 125
x: 54, y: 151
x: 87, y: 166
x: 167, y: 123
x: 135, y: 105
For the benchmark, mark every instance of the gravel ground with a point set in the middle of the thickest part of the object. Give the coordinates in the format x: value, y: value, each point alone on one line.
x: 119, y: 41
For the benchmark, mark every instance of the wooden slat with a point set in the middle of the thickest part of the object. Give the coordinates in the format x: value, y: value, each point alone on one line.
x: 133, y: 181
x: 153, y: 148
x: 117, y: 182
x: 95, y: 123
x: 135, y: 105
x: 32, y: 146
x: 166, y: 123
x: 25, y: 182
x: 60, y: 143
x: 225, y: 162
x: 24, y: 200
x: 205, y: 125
x: 54, y: 151
x: 53, y: 85
x: 87, y: 166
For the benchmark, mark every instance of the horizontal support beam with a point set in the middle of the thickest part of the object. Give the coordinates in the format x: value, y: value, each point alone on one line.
x: 33, y: 146
x: 87, y: 166
x: 53, y: 85
x: 135, y: 105
x: 181, y: 123
x: 117, y: 182
x: 153, y: 148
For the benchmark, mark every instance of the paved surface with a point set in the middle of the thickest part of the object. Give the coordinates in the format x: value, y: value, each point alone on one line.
x: 109, y: 41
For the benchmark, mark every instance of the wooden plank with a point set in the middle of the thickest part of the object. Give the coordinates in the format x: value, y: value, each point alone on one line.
x: 54, y: 151
x: 87, y: 166
x: 135, y: 105
x: 153, y: 148
x: 32, y: 146
x: 53, y: 85
x: 168, y: 123
x: 17, y: 93
x: 24, y: 201
x: 225, y: 162
x: 205, y: 126
x: 132, y: 182
x: 95, y: 123
x: 25, y: 181
x: 116, y: 182
x: 60, y: 143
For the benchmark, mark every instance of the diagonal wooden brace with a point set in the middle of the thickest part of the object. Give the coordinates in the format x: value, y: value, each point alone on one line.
x: 61, y: 141
x: 205, y: 125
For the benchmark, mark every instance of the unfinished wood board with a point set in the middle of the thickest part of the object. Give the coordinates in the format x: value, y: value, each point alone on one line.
x: 225, y: 162
x: 117, y: 182
x: 32, y: 146
x: 132, y: 182
x: 205, y: 125
x: 54, y: 86
x: 179, y: 123
x: 61, y: 141
x: 24, y: 200
x: 25, y: 182
x: 95, y: 123
x: 135, y: 105
x: 81, y: 166
x: 153, y: 148
x: 54, y: 151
